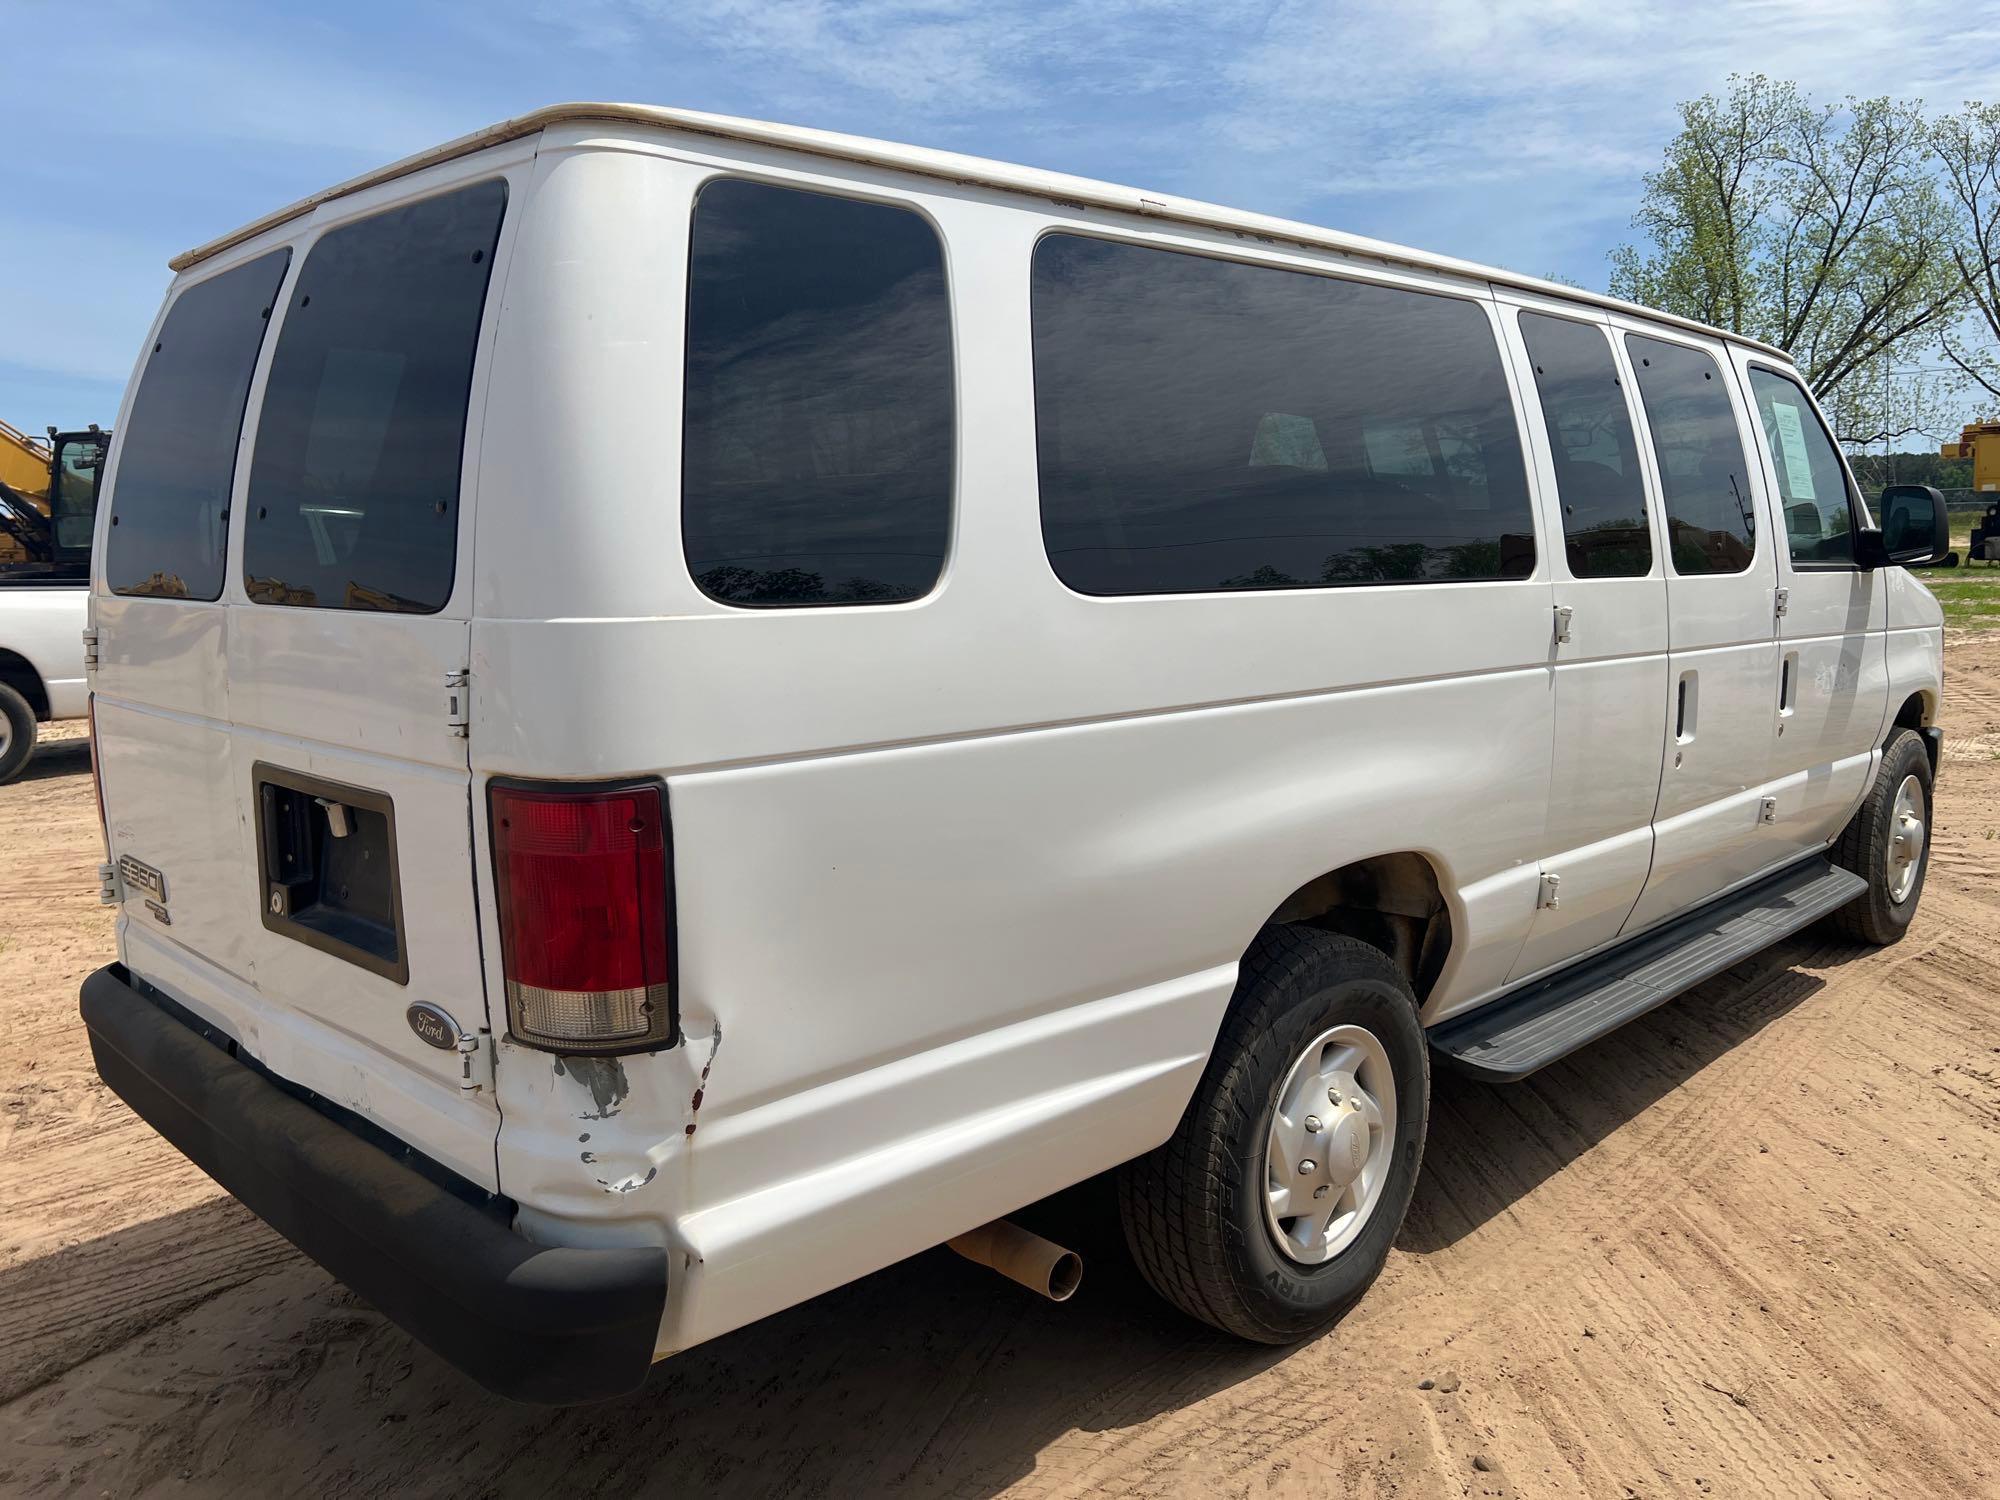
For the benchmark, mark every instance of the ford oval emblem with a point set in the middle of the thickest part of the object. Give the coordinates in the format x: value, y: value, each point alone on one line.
x: 433, y: 1025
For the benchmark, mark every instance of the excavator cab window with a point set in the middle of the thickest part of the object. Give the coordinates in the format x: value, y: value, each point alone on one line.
x: 79, y: 465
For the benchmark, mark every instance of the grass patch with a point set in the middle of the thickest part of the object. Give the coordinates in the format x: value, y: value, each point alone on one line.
x: 1969, y: 594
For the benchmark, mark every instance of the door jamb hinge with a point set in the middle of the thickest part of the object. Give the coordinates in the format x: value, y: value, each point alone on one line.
x: 475, y: 1061
x: 1564, y: 615
x: 1547, y: 896
x: 89, y: 646
x: 458, y: 701
x: 1782, y: 604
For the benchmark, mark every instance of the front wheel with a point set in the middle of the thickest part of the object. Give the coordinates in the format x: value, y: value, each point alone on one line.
x: 17, y: 733
x: 1272, y: 1207
x: 1887, y: 843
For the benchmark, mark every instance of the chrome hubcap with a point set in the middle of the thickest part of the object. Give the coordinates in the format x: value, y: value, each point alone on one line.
x: 1906, y: 840
x: 1332, y: 1135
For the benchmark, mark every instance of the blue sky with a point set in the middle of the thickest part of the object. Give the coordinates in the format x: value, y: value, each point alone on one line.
x: 1513, y: 133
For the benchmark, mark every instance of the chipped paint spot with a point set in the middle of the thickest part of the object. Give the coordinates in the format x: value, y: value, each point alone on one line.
x: 603, y: 1076
x: 630, y: 1184
x: 690, y: 1129
x: 589, y: 1155
x: 584, y: 1137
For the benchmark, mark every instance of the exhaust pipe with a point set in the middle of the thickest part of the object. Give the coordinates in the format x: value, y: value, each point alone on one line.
x: 1038, y: 1265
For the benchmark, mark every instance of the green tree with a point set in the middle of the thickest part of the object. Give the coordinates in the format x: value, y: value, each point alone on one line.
x: 1968, y: 147
x: 1820, y: 228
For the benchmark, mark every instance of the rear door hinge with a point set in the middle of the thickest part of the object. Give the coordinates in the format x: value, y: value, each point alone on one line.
x: 475, y: 1062
x: 458, y: 700
x: 108, y: 891
x: 1767, y: 810
x: 1564, y: 615
x: 90, y: 646
x: 1548, y: 897
x: 1783, y: 604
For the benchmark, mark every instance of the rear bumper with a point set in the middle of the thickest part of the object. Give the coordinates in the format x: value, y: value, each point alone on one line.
x: 535, y: 1323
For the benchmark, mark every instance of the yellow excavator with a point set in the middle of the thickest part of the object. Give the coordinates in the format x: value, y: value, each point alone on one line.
x: 1980, y: 442
x: 48, y: 498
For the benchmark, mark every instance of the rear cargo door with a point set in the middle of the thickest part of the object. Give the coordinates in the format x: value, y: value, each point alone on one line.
x: 312, y: 815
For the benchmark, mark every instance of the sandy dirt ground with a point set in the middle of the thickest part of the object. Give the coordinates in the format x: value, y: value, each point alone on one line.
x: 1747, y: 1246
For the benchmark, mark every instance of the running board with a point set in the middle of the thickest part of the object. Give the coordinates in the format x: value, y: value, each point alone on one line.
x: 1507, y: 1040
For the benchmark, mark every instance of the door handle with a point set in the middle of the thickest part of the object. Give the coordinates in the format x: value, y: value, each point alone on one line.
x: 1687, y: 708
x: 1788, y: 687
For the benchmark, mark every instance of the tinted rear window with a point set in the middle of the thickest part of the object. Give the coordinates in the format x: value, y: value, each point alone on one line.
x: 1203, y: 424
x: 170, y: 510
x: 817, y: 436
x: 1704, y: 478
x: 354, y: 487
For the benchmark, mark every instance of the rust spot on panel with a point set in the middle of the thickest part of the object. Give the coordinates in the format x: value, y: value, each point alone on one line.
x: 701, y: 1084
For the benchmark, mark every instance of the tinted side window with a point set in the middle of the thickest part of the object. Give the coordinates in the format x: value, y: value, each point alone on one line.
x: 1711, y: 519
x: 1812, y: 484
x: 170, y: 511
x: 1203, y: 424
x: 817, y: 435
x: 354, y: 486
x: 1603, y: 496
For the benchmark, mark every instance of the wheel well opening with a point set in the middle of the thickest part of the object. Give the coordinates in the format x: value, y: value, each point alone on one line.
x: 17, y: 672
x: 1389, y: 901
x: 1916, y: 714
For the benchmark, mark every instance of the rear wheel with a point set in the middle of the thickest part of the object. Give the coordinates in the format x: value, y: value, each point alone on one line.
x: 1888, y: 844
x: 17, y: 733
x: 1272, y: 1208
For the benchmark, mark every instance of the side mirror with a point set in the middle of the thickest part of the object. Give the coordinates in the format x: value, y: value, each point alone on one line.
x: 1915, y: 529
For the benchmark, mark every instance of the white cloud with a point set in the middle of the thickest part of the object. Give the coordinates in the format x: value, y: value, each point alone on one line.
x: 1378, y: 96
x: 1297, y: 106
x: 955, y: 58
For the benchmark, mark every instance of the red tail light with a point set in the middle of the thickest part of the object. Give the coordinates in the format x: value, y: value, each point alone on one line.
x: 584, y: 908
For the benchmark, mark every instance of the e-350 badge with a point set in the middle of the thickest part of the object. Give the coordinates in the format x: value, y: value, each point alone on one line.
x: 144, y: 876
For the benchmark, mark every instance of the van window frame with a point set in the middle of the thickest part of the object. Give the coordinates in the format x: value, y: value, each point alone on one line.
x: 1858, y: 516
x: 1651, y: 497
x: 1481, y: 299
x: 507, y: 172
x: 856, y: 193
x: 240, y: 256
x: 1717, y: 350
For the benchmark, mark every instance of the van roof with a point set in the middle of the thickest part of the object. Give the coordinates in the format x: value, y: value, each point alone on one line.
x: 954, y: 167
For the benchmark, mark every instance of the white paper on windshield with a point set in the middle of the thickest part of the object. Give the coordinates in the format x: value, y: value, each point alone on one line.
x: 1792, y: 440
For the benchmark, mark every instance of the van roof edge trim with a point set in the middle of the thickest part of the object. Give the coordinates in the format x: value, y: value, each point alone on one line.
x: 955, y: 167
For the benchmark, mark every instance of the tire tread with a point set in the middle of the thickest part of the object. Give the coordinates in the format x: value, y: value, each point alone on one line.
x: 1171, y: 1199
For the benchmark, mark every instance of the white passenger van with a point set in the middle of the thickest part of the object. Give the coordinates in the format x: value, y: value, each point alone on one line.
x: 687, y: 708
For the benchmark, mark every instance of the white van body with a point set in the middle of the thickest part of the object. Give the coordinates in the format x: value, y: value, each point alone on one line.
x: 960, y: 884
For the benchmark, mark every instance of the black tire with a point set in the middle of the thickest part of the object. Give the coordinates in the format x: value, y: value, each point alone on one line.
x: 20, y: 734
x: 1193, y: 1209
x: 1863, y: 847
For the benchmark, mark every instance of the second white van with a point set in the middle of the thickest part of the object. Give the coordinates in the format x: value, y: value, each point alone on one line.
x: 687, y: 708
